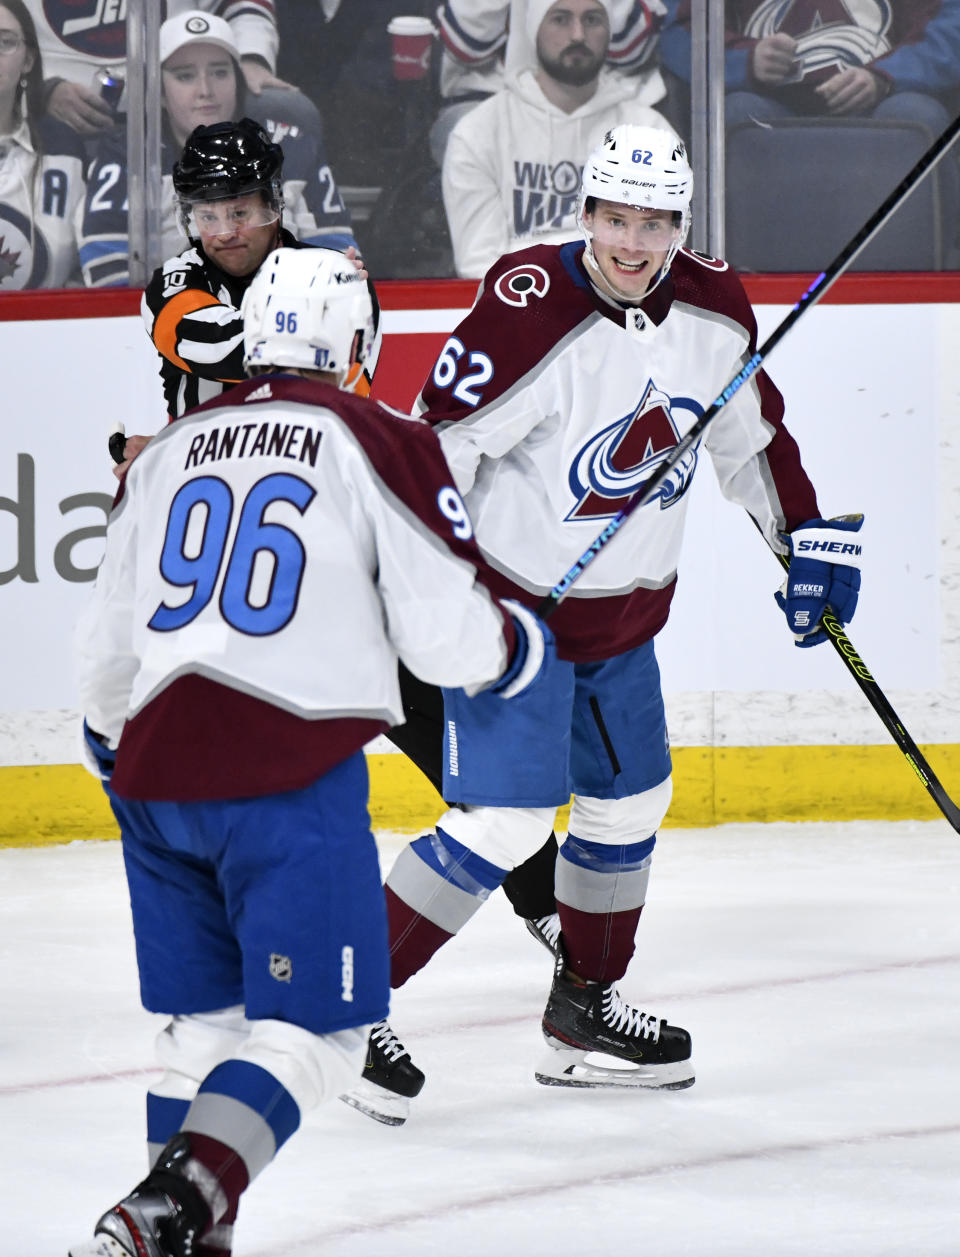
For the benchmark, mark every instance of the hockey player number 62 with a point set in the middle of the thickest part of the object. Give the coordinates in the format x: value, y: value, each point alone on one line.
x: 203, y: 508
x: 448, y: 368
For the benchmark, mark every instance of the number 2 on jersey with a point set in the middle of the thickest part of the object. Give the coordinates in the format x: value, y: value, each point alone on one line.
x: 187, y: 561
x: 448, y: 368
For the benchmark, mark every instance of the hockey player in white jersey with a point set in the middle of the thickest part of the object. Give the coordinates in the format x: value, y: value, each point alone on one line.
x: 577, y: 371
x: 270, y: 558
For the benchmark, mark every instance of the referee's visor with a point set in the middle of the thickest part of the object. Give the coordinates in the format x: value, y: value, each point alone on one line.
x: 224, y: 216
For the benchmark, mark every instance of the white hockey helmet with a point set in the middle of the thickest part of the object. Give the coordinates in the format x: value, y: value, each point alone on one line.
x: 643, y: 167
x: 309, y: 308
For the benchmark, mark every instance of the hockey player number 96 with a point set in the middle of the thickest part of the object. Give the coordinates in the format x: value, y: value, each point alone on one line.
x: 195, y: 543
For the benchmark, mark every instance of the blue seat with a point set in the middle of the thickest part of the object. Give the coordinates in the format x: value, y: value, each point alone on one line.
x: 799, y: 189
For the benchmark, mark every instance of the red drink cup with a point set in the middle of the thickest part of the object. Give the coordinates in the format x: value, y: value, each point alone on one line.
x: 411, y: 41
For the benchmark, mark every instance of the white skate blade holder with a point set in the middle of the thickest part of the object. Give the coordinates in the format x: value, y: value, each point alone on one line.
x: 376, y: 1102
x: 100, y: 1246
x: 565, y: 1066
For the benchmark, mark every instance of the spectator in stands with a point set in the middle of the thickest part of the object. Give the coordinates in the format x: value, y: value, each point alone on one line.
x: 41, y: 167
x: 890, y: 62
x: 511, y: 171
x: 202, y: 84
x: 899, y: 60
x: 484, y: 39
x: 75, y: 46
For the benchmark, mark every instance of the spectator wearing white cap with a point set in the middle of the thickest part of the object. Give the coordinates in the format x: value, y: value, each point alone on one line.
x: 511, y: 170
x: 202, y: 84
x: 75, y: 45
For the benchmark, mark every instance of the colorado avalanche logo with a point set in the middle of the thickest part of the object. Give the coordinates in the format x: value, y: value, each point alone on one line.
x: 613, y: 464
x: 517, y: 286
x: 831, y: 34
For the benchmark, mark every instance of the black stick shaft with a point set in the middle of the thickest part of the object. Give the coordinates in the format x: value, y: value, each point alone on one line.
x: 646, y: 491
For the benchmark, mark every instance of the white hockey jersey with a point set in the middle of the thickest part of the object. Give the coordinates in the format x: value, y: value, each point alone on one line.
x: 270, y: 557
x: 554, y: 405
x: 512, y: 166
x: 78, y: 36
x: 38, y: 199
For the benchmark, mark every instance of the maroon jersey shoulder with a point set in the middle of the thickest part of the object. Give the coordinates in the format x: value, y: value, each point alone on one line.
x: 528, y: 302
x: 404, y: 453
x: 712, y: 284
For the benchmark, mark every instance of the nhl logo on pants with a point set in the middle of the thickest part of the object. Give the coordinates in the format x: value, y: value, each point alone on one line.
x: 281, y: 967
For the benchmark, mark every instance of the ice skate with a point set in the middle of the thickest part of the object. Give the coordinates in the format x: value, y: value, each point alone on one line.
x: 546, y: 930
x: 586, y: 1021
x: 390, y: 1079
x: 162, y: 1217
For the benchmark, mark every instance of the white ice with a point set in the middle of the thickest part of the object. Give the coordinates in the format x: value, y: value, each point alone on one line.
x: 817, y: 967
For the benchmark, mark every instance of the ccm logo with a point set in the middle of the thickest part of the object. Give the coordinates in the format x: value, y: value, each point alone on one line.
x: 346, y: 974
x: 831, y: 547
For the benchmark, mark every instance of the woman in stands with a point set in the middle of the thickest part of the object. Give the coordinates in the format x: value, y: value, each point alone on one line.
x: 41, y: 167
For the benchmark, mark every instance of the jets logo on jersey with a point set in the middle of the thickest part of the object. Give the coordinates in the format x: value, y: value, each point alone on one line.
x: 24, y: 256
x: 94, y: 28
x: 517, y: 286
x: 614, y: 463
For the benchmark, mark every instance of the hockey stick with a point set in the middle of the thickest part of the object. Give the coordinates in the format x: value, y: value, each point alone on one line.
x: 889, y: 718
x: 648, y: 489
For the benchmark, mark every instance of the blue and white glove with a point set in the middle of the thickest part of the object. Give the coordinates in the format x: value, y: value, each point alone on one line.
x: 824, y: 572
x: 98, y: 759
x: 532, y: 653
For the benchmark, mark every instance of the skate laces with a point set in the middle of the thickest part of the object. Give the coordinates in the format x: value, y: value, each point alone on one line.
x: 387, y: 1041
x: 620, y: 1015
x: 549, y: 928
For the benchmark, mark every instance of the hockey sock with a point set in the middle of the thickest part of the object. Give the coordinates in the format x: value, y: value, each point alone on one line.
x: 601, y: 890
x: 241, y: 1116
x: 434, y: 888
x: 227, y: 1181
x: 165, y: 1116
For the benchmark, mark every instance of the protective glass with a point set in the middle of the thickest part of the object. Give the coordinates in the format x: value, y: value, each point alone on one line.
x: 634, y: 231
x: 223, y: 218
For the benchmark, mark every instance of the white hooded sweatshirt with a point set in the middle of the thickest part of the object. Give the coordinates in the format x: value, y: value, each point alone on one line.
x: 512, y: 168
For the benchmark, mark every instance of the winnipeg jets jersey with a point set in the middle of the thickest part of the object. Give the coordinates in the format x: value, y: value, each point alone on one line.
x: 270, y: 557
x: 554, y: 405
x: 76, y: 36
x: 39, y: 195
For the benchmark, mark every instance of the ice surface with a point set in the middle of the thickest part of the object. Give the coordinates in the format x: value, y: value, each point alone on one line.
x: 816, y: 966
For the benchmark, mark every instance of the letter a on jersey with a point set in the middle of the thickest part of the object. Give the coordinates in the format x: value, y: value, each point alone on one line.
x: 614, y: 463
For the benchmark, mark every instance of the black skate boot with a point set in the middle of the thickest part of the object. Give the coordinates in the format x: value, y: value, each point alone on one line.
x: 591, y: 1017
x: 546, y: 930
x: 163, y: 1216
x: 390, y: 1079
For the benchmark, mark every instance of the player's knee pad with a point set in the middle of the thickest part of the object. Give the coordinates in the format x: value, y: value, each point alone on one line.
x: 504, y: 836
x: 191, y: 1045
x: 620, y: 822
x: 313, y: 1068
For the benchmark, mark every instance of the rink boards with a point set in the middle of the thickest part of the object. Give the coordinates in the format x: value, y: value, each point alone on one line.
x: 760, y: 730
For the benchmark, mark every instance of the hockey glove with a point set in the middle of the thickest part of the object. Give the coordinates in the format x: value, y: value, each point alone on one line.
x: 824, y: 572
x: 98, y: 759
x: 533, y: 650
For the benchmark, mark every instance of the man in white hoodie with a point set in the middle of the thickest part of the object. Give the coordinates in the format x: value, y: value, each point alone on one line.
x: 511, y: 172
